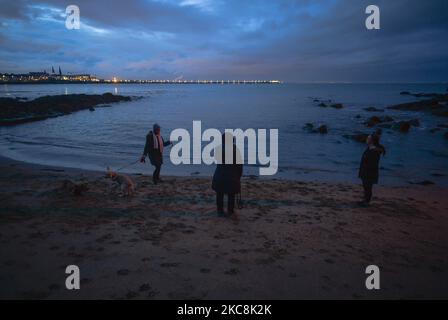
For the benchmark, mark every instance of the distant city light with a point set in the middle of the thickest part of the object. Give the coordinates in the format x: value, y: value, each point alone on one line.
x: 59, y: 77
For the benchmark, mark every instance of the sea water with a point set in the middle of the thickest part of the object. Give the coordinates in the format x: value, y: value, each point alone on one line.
x: 115, y: 136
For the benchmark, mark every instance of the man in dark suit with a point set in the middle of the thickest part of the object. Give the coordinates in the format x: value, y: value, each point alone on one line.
x: 154, y: 150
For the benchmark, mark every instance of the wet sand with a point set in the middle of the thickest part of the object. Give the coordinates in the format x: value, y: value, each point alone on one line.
x: 293, y: 240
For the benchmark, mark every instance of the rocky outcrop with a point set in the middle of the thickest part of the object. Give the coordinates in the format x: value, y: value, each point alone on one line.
x: 16, y: 111
x: 373, y: 109
x: 337, y: 105
x: 420, y: 94
x: 437, y: 105
x: 404, y: 126
x: 358, y: 137
x: 322, y: 129
x: 425, y: 95
x: 328, y: 103
x: 373, y: 121
x: 389, y: 123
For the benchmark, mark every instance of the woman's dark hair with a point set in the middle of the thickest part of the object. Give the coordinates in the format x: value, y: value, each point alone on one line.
x: 376, y: 140
x: 223, y: 146
x: 376, y: 137
x: 378, y: 132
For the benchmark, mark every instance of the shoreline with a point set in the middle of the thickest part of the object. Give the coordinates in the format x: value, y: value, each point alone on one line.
x: 280, y: 176
x: 293, y: 239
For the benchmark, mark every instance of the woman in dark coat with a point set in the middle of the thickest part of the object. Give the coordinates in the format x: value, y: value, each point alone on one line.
x: 369, y: 167
x: 154, y: 150
x: 226, y: 179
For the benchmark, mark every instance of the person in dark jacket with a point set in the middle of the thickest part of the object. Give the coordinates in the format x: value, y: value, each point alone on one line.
x: 154, y: 150
x: 369, y: 167
x: 226, y: 179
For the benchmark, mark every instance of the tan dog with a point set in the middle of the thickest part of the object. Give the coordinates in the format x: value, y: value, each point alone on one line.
x: 126, y: 184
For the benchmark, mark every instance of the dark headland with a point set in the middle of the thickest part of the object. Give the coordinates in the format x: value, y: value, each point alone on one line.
x: 19, y: 110
x: 437, y: 103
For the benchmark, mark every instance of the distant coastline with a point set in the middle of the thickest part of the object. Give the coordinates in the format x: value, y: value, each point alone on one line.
x: 50, y: 82
x: 144, y: 82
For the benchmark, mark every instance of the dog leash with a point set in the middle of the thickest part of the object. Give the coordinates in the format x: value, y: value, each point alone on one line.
x: 132, y: 163
x: 128, y: 165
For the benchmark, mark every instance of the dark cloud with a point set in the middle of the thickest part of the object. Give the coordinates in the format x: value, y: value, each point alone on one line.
x: 12, y: 9
x: 155, y: 16
x: 308, y: 40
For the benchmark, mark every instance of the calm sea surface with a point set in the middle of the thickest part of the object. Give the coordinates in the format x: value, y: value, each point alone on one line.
x: 115, y: 136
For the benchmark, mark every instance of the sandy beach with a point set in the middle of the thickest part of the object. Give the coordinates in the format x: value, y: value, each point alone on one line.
x: 292, y: 239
